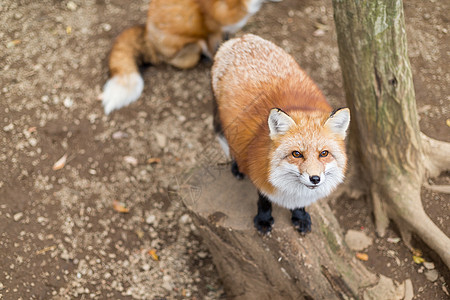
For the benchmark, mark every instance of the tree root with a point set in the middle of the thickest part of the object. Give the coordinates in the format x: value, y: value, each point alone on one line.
x: 437, y: 156
x: 445, y: 189
x: 407, y: 212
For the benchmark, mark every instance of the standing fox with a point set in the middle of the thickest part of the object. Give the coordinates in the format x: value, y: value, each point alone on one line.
x: 278, y: 128
x: 177, y: 32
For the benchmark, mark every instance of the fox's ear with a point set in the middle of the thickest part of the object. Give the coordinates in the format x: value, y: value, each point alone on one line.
x: 279, y: 122
x: 338, y: 122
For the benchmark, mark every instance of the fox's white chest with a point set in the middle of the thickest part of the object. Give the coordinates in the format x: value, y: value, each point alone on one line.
x: 252, y: 7
x: 301, y: 197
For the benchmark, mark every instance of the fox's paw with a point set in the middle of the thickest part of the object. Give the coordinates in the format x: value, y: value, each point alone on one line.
x: 121, y: 90
x: 263, y: 223
x: 301, y: 220
x: 235, y: 171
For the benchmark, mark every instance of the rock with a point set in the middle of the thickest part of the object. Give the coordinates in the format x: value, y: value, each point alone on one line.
x: 429, y: 265
x: 357, y: 240
x: 167, y: 283
x: 184, y: 219
x: 18, y: 216
x: 432, y: 275
x: 385, y: 289
x: 71, y: 6
x: 161, y: 140
x: 409, y: 291
x: 8, y: 127
x: 150, y: 219
x: 68, y: 102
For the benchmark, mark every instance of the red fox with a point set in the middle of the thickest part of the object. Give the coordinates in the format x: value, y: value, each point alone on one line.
x: 278, y: 127
x: 177, y: 32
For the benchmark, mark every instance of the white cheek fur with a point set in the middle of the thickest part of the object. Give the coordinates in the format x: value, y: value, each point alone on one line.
x: 291, y: 189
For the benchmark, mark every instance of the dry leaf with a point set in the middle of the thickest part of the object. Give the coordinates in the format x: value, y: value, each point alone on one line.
x: 120, y: 207
x: 68, y: 29
x: 131, y: 160
x: 60, y: 163
x: 139, y: 233
x: 418, y: 260
x: 42, y: 251
x: 153, y: 254
x: 13, y: 43
x: 417, y: 252
x: 153, y: 160
x: 32, y: 129
x: 362, y: 256
x: 448, y: 122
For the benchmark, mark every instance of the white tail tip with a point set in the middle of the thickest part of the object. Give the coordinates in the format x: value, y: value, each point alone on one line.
x: 121, y: 90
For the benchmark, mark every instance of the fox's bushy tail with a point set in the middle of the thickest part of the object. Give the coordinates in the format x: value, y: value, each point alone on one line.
x: 125, y: 84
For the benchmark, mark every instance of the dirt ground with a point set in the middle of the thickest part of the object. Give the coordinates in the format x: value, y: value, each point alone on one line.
x: 60, y: 236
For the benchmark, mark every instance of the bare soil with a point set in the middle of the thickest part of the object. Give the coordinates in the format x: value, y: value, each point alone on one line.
x: 61, y: 238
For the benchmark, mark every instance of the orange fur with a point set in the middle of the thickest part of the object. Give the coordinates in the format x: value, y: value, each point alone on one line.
x: 250, y: 77
x: 175, y: 32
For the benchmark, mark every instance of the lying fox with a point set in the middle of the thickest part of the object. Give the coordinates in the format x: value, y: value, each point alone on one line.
x: 177, y: 32
x: 278, y: 128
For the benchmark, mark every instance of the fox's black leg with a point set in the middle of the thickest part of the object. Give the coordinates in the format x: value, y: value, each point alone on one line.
x: 301, y: 220
x: 263, y: 220
x: 235, y: 170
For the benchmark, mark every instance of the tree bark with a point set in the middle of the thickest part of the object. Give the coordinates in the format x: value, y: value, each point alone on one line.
x: 385, y: 134
x: 282, y: 265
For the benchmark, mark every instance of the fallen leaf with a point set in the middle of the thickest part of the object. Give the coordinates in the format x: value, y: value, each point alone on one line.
x: 153, y: 254
x: 417, y: 252
x: 131, y: 160
x: 153, y: 160
x: 448, y: 122
x: 68, y: 29
x: 42, y: 251
x: 60, y: 163
x: 13, y: 43
x: 120, y: 207
x: 139, y: 233
x: 418, y: 260
x: 32, y: 129
x: 362, y: 256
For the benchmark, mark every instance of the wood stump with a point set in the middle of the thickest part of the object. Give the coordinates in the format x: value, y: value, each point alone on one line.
x: 281, y: 265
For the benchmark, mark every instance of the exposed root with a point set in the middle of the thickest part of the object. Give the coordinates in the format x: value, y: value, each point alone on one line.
x: 437, y: 155
x: 409, y: 209
x: 445, y: 189
x: 379, y: 211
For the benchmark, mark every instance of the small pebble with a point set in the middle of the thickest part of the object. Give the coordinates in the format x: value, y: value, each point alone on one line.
x: 432, y: 275
x: 8, y: 127
x: 71, y: 6
x: 18, y: 216
x: 429, y: 265
x: 150, y: 219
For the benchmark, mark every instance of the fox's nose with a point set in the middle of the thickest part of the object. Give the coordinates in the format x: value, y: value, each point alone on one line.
x: 314, y: 179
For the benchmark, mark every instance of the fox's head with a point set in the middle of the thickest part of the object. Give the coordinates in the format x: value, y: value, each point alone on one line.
x: 308, y: 158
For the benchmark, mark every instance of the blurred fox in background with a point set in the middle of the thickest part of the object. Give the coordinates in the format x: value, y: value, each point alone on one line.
x: 177, y: 32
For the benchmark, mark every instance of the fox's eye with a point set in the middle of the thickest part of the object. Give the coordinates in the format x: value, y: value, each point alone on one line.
x: 297, y: 154
x: 324, y: 153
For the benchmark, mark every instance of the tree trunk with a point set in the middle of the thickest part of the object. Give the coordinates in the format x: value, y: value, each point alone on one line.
x: 282, y: 265
x: 385, y: 134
